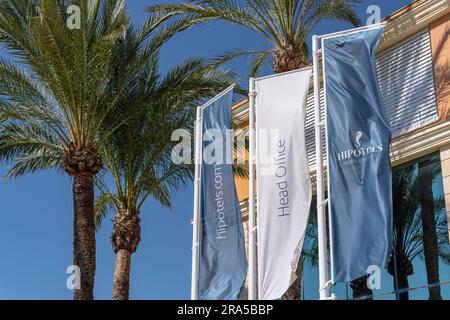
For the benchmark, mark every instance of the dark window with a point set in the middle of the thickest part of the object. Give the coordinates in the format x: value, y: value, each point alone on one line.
x: 420, y: 267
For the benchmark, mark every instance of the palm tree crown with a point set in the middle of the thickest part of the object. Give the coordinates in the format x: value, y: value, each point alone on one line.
x: 285, y: 24
x: 138, y: 154
x: 55, y: 94
x: 59, y: 93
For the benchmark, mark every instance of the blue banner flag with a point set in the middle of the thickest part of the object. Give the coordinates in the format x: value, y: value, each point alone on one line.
x: 223, y: 268
x: 359, y: 135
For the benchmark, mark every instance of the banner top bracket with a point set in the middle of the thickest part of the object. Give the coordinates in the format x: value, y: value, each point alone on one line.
x: 351, y: 31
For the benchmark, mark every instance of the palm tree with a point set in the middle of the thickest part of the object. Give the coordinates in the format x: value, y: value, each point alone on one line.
x: 286, y: 25
x: 138, y: 155
x: 408, y: 240
x: 58, y: 90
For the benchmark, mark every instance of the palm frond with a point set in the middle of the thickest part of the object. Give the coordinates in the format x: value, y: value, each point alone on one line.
x: 138, y: 153
x: 29, y: 148
x: 283, y: 24
x: 58, y: 86
x: 105, y: 203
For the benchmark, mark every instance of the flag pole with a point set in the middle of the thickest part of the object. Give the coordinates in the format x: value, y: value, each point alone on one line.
x: 330, y: 217
x: 196, y: 213
x: 252, y: 277
x: 321, y: 203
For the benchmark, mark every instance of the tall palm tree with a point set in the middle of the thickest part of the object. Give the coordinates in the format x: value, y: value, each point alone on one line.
x: 58, y: 90
x: 286, y: 25
x: 138, y: 155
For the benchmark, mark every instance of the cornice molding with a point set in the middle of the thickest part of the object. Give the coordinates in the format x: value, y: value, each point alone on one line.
x: 411, y: 19
x: 420, y: 142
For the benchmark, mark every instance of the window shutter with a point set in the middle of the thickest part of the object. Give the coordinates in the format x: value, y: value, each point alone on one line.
x: 406, y: 77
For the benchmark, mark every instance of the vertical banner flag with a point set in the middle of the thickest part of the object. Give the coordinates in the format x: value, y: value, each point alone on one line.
x: 283, y: 180
x: 358, y: 135
x: 222, y: 267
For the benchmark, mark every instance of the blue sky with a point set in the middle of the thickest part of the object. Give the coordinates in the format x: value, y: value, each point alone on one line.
x: 37, y: 217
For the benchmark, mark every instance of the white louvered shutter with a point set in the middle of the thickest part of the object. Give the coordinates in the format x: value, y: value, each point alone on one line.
x: 406, y: 77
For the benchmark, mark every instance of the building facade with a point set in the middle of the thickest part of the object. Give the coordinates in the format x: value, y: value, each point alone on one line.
x: 413, y: 65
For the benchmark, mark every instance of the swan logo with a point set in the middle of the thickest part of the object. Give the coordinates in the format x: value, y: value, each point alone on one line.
x: 357, y: 138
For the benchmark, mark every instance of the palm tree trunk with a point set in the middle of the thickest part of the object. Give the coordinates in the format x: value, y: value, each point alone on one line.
x: 84, y: 235
x: 125, y: 238
x: 430, y: 240
x: 295, y: 290
x: 121, y: 286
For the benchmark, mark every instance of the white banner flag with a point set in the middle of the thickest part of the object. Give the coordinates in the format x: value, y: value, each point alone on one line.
x: 283, y: 180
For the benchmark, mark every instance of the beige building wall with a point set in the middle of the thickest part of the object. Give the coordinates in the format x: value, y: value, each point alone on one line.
x: 241, y: 188
x: 440, y: 43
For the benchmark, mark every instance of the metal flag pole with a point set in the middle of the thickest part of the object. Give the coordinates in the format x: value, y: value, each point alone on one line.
x: 252, y: 276
x: 330, y: 218
x: 196, y: 213
x: 321, y: 217
x: 220, y: 95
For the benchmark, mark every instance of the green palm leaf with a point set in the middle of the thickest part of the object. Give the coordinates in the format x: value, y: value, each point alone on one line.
x: 286, y: 25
